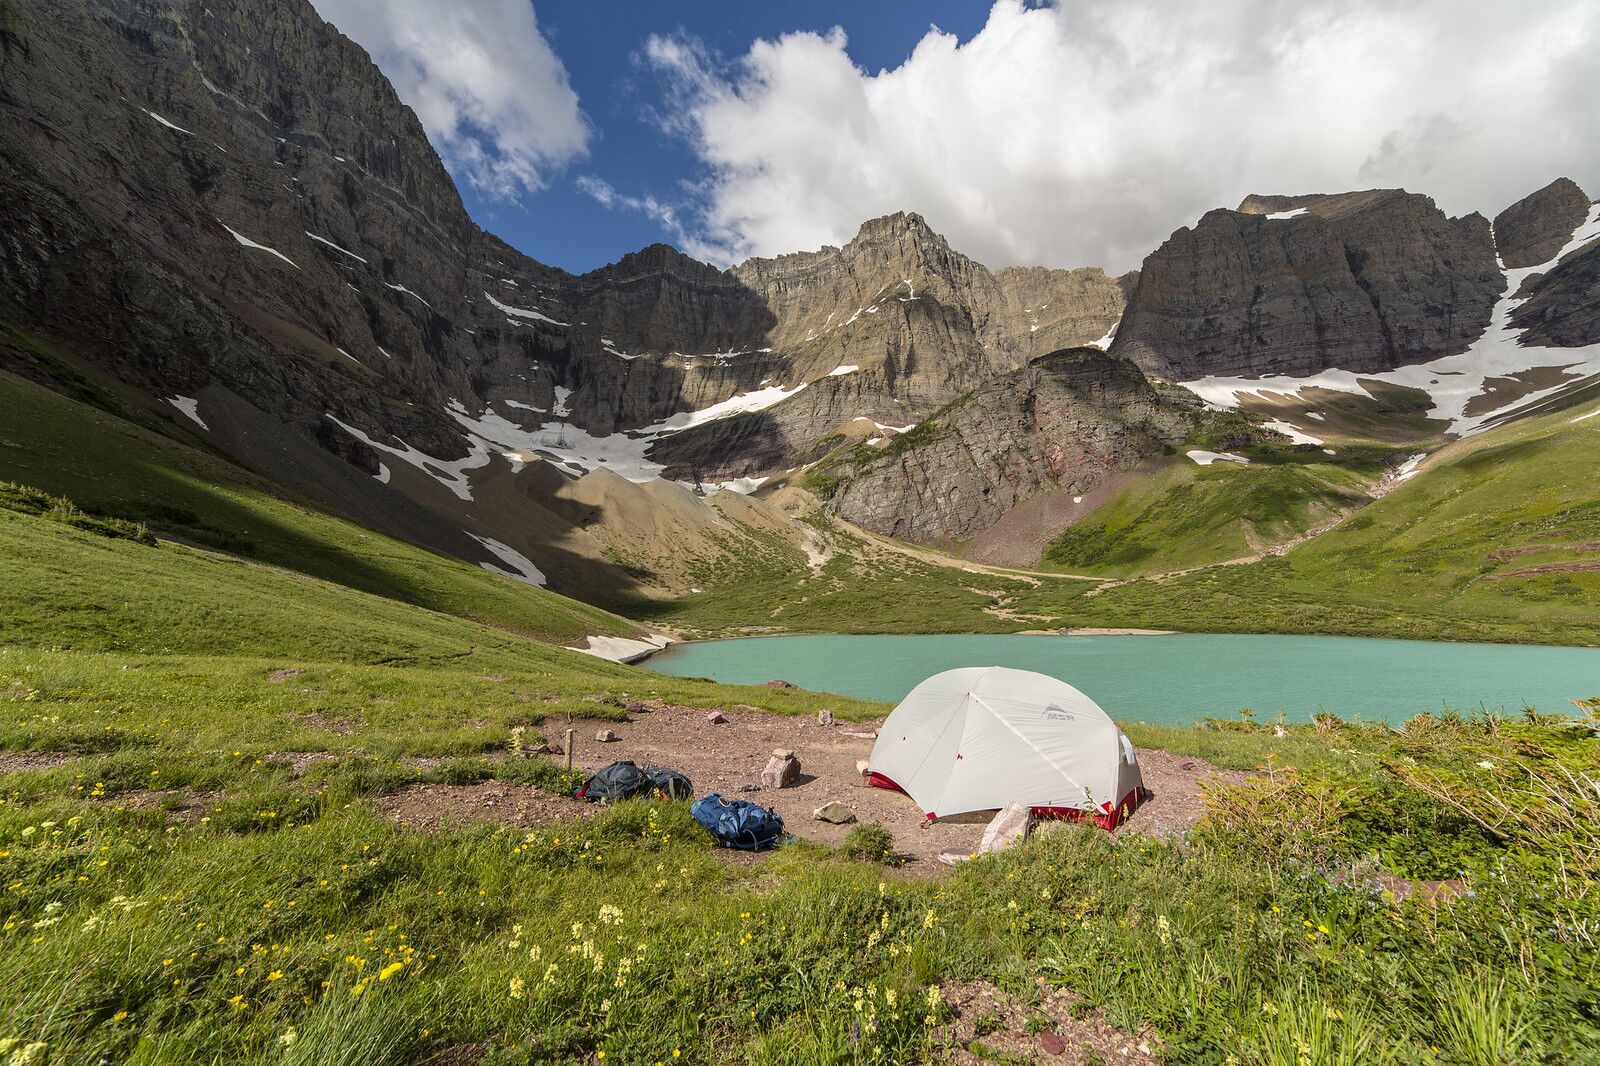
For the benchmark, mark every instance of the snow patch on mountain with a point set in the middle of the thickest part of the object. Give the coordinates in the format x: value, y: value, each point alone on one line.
x: 190, y: 408
x: 1295, y: 436
x: 515, y: 313
x: 1205, y: 458
x: 169, y: 125
x: 335, y: 247
x: 516, y: 566
x: 451, y: 473
x: 248, y: 243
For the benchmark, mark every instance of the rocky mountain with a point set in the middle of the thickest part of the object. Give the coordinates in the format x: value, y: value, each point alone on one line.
x: 1067, y: 422
x: 1363, y: 281
x: 1532, y: 230
x: 1562, y: 303
x: 224, y: 204
x: 889, y: 328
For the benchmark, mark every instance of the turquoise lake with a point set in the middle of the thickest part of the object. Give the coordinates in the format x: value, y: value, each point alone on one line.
x: 1180, y: 678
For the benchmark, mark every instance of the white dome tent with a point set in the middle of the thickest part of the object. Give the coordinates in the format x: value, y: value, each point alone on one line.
x: 979, y: 738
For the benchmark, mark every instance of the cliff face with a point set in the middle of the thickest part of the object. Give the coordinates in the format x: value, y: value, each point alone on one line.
x: 890, y: 327
x: 1069, y: 420
x: 1532, y: 230
x: 224, y: 201
x: 151, y: 151
x: 1563, y: 307
x: 1562, y: 303
x: 1292, y: 285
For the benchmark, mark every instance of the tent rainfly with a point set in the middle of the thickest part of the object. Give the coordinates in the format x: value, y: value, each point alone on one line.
x: 978, y: 738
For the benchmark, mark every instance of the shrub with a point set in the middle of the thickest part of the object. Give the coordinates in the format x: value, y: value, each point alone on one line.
x: 869, y: 842
x: 31, y: 501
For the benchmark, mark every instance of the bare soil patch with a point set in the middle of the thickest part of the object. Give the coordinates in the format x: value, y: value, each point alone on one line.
x: 13, y: 761
x: 180, y: 805
x: 991, y: 1025
x: 720, y: 758
x: 1549, y: 568
x: 301, y: 761
x: 1174, y: 782
x: 435, y: 806
x: 342, y: 726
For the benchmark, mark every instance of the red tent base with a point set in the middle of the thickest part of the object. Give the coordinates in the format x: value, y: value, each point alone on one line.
x: 1107, y: 817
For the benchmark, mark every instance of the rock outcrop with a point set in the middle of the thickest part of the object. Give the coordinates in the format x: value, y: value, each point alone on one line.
x: 1364, y: 281
x: 890, y: 327
x: 1069, y: 420
x: 1563, y: 306
x: 1536, y: 227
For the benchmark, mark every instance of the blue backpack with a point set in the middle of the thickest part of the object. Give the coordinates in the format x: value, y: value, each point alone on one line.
x: 738, y: 823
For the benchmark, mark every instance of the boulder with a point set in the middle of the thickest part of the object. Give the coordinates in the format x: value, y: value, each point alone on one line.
x: 782, y: 771
x: 834, y: 812
x: 1009, y: 827
x: 606, y: 736
x: 716, y: 717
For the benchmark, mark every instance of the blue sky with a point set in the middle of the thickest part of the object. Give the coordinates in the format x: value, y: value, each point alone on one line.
x: 1050, y: 132
x: 600, y: 46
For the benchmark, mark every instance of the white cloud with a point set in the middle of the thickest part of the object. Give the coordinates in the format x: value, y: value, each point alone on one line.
x: 1085, y: 133
x: 492, y: 94
x: 664, y: 214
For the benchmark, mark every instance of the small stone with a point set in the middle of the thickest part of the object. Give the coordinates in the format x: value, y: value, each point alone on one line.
x: 834, y: 812
x: 278, y: 676
x: 825, y: 718
x: 781, y: 772
x: 606, y: 736
x: 716, y: 717
x: 862, y: 767
x: 748, y: 787
x: 864, y: 734
x: 781, y: 684
x: 1051, y: 1043
x: 554, y: 748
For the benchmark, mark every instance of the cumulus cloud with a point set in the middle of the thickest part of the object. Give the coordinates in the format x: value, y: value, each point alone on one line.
x: 491, y: 92
x: 1085, y: 132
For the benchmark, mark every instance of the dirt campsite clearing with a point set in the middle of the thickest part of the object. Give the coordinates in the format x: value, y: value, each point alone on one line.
x: 723, y: 756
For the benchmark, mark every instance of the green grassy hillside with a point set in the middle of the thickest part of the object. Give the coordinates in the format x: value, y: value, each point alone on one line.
x: 1496, y: 538
x: 111, y: 466
x: 1188, y: 515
